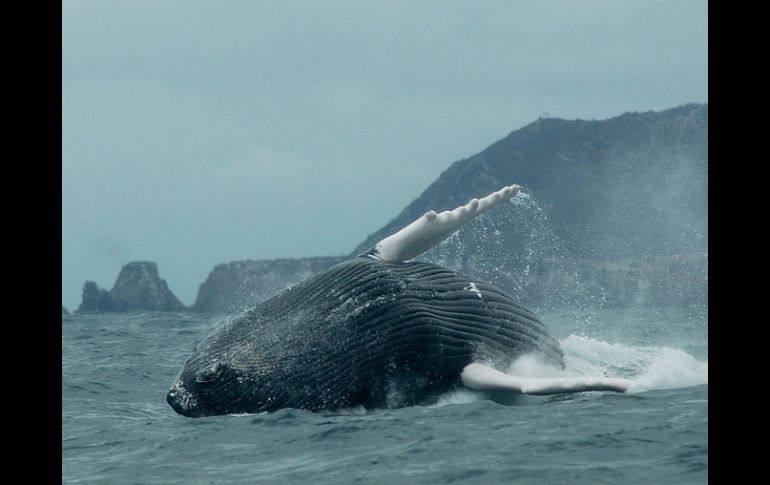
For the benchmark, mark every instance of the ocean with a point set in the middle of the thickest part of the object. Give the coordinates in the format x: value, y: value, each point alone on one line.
x: 118, y: 429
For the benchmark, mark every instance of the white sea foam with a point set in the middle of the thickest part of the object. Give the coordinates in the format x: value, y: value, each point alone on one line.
x: 460, y: 396
x: 650, y: 368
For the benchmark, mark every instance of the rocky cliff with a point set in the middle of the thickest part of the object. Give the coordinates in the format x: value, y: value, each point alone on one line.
x: 631, y: 186
x: 237, y: 285
x: 138, y: 287
x: 613, y: 212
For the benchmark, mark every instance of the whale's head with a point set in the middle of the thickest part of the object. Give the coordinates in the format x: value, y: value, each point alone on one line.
x: 203, y: 391
x: 219, y: 388
x: 226, y: 375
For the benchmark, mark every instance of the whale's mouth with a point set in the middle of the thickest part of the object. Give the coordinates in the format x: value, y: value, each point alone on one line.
x: 183, y: 401
x: 214, y: 390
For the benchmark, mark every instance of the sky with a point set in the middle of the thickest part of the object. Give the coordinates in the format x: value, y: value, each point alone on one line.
x: 202, y: 132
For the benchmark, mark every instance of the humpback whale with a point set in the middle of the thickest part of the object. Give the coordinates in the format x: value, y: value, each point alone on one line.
x: 378, y: 330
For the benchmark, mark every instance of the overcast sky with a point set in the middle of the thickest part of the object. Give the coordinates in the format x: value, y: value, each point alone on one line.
x: 202, y: 132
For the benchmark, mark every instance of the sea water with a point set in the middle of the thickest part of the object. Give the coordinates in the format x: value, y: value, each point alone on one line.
x: 118, y: 429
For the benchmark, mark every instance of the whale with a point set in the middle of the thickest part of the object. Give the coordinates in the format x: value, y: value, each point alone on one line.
x: 378, y: 330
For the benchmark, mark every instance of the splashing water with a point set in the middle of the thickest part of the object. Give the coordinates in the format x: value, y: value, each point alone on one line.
x: 514, y: 246
x: 651, y: 368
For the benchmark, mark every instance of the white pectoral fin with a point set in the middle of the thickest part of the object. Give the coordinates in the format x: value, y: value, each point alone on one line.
x: 481, y: 377
x: 432, y: 228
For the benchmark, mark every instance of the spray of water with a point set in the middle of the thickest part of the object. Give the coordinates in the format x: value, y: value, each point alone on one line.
x: 515, y: 247
x: 651, y: 368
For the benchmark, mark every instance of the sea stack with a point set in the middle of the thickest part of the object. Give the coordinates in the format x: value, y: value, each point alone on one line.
x: 138, y: 287
x: 96, y: 299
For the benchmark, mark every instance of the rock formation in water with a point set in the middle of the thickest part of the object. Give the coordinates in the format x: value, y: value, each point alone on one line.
x: 96, y: 299
x: 138, y: 287
x: 240, y: 284
x: 64, y: 311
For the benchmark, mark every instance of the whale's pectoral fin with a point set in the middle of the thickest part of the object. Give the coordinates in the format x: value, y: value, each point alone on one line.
x: 432, y: 228
x: 481, y: 377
